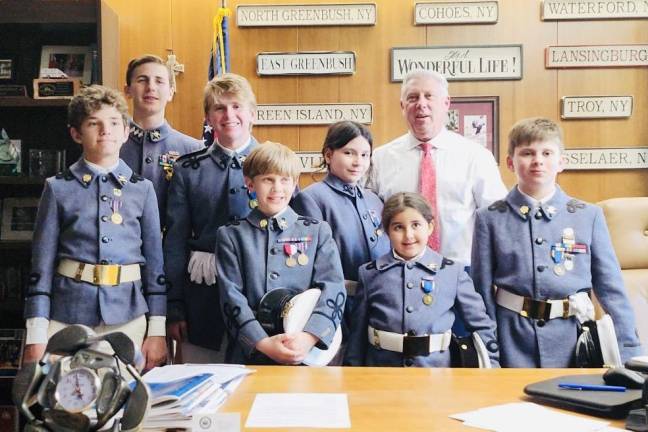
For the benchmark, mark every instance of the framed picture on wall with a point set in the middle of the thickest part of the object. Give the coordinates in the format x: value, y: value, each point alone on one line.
x: 18, y: 218
x: 476, y: 118
x: 74, y: 61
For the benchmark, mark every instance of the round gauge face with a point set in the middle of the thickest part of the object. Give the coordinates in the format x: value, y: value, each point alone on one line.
x: 77, y: 390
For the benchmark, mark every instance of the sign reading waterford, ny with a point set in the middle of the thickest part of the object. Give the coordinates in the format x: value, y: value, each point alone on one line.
x: 555, y: 10
x: 460, y: 63
x: 292, y: 15
x: 312, y: 114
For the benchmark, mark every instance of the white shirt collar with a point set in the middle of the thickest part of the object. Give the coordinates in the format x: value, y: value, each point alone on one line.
x: 400, y: 258
x: 99, y: 169
x: 541, y: 201
x: 230, y: 152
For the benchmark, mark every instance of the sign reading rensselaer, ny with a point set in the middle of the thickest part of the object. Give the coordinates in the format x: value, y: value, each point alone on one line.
x: 290, y: 15
x: 583, y: 56
x: 456, y: 63
x: 584, y: 107
x: 312, y: 114
x: 555, y: 10
x: 606, y: 158
x: 471, y: 12
x: 306, y: 63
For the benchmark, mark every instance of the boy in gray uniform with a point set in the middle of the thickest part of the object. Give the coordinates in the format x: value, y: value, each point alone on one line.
x: 206, y: 192
x: 271, y: 248
x: 153, y: 145
x: 97, y: 252
x: 538, y: 253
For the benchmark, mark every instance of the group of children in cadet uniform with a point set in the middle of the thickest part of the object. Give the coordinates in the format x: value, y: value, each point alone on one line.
x: 234, y: 229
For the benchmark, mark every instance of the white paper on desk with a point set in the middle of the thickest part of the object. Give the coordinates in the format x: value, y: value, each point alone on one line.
x: 223, y: 373
x: 316, y: 410
x: 529, y: 417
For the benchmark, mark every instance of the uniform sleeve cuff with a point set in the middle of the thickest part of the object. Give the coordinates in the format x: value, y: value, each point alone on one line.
x: 36, y: 330
x: 156, y: 326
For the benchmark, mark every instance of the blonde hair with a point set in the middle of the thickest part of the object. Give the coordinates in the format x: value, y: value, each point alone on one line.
x: 424, y: 74
x: 530, y: 130
x: 90, y: 100
x: 401, y: 201
x: 231, y: 84
x: 272, y: 158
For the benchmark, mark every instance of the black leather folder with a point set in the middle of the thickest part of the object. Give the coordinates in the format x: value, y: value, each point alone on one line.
x: 598, y: 403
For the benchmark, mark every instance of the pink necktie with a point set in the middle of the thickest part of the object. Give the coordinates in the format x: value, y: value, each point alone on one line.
x: 427, y: 187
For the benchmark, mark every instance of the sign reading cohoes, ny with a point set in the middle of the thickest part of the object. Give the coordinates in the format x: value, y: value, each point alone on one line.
x: 312, y: 114
x: 606, y: 158
x: 292, y: 15
x: 306, y: 63
x: 471, y: 12
x: 555, y: 10
x: 460, y: 63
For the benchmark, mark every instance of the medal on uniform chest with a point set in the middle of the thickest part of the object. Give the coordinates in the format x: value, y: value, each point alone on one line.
x: 559, y: 269
x: 563, y: 253
x: 376, y: 223
x: 117, y: 192
x: 302, y: 259
x: 290, y: 250
x: 166, y: 161
x: 428, y: 285
x: 253, y: 203
x: 116, y: 217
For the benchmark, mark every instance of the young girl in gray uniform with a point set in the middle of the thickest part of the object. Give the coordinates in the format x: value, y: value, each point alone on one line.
x: 352, y: 211
x: 407, y: 299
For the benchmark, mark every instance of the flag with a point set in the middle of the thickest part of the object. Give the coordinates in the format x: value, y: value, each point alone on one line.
x: 219, y: 57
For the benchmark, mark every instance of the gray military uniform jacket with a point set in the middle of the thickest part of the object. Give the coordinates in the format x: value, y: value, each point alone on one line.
x: 354, y: 216
x: 151, y: 153
x: 207, y: 191
x: 390, y: 298
x: 251, y: 261
x: 74, y: 221
x: 512, y: 249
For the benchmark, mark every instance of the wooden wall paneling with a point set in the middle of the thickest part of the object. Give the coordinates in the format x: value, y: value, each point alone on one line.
x: 109, y: 46
x: 191, y: 34
x: 598, y: 185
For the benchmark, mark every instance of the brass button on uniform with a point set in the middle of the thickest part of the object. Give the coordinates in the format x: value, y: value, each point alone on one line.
x: 539, y: 240
x: 409, y: 309
x: 274, y: 275
x: 541, y: 268
x: 148, y: 159
x: 104, y: 218
x: 105, y: 239
x: 410, y: 285
x: 104, y: 198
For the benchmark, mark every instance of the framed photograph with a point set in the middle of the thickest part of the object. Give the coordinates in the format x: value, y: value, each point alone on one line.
x: 74, y: 61
x: 476, y: 118
x: 45, y: 162
x: 18, y: 218
x: 7, y: 69
x: 12, y: 342
x: 10, y: 155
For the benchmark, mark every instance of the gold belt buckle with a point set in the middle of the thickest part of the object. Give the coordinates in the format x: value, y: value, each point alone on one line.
x: 536, y: 309
x: 106, y: 274
x: 376, y: 338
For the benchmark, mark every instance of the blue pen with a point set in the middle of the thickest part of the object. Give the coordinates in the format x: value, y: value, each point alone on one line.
x: 591, y: 387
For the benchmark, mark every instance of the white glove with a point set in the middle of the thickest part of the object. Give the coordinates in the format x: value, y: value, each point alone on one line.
x: 202, y: 267
x: 581, y: 306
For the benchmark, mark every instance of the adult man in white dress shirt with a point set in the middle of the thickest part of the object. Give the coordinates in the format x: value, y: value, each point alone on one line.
x: 467, y: 176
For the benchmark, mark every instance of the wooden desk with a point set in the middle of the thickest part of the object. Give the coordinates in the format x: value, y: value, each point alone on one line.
x: 398, y: 399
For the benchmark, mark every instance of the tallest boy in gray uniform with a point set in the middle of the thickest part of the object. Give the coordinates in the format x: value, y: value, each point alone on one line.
x: 153, y: 145
x: 207, y: 191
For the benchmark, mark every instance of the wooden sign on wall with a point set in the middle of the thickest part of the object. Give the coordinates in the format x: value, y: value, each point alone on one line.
x: 311, y: 161
x: 306, y: 63
x: 586, y: 107
x: 460, y: 63
x: 292, y: 15
x: 595, y: 56
x: 606, y: 158
x: 556, y: 10
x: 472, y: 12
x: 312, y: 114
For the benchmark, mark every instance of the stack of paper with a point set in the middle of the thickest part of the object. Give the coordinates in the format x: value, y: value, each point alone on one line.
x: 528, y: 417
x: 181, y: 391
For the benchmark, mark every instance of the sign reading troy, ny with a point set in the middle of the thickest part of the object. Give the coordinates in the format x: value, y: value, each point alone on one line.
x: 582, y: 107
x: 606, y: 158
x: 312, y: 114
x: 460, y: 63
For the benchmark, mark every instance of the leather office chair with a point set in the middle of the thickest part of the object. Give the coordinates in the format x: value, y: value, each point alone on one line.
x: 627, y: 220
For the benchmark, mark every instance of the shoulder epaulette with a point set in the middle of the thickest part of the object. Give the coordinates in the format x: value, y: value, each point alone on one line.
x: 446, y: 262
x: 310, y: 220
x: 574, y: 204
x: 499, y: 205
x: 193, y: 159
x: 67, y: 175
x: 371, y: 265
x: 233, y: 223
x: 136, y: 178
